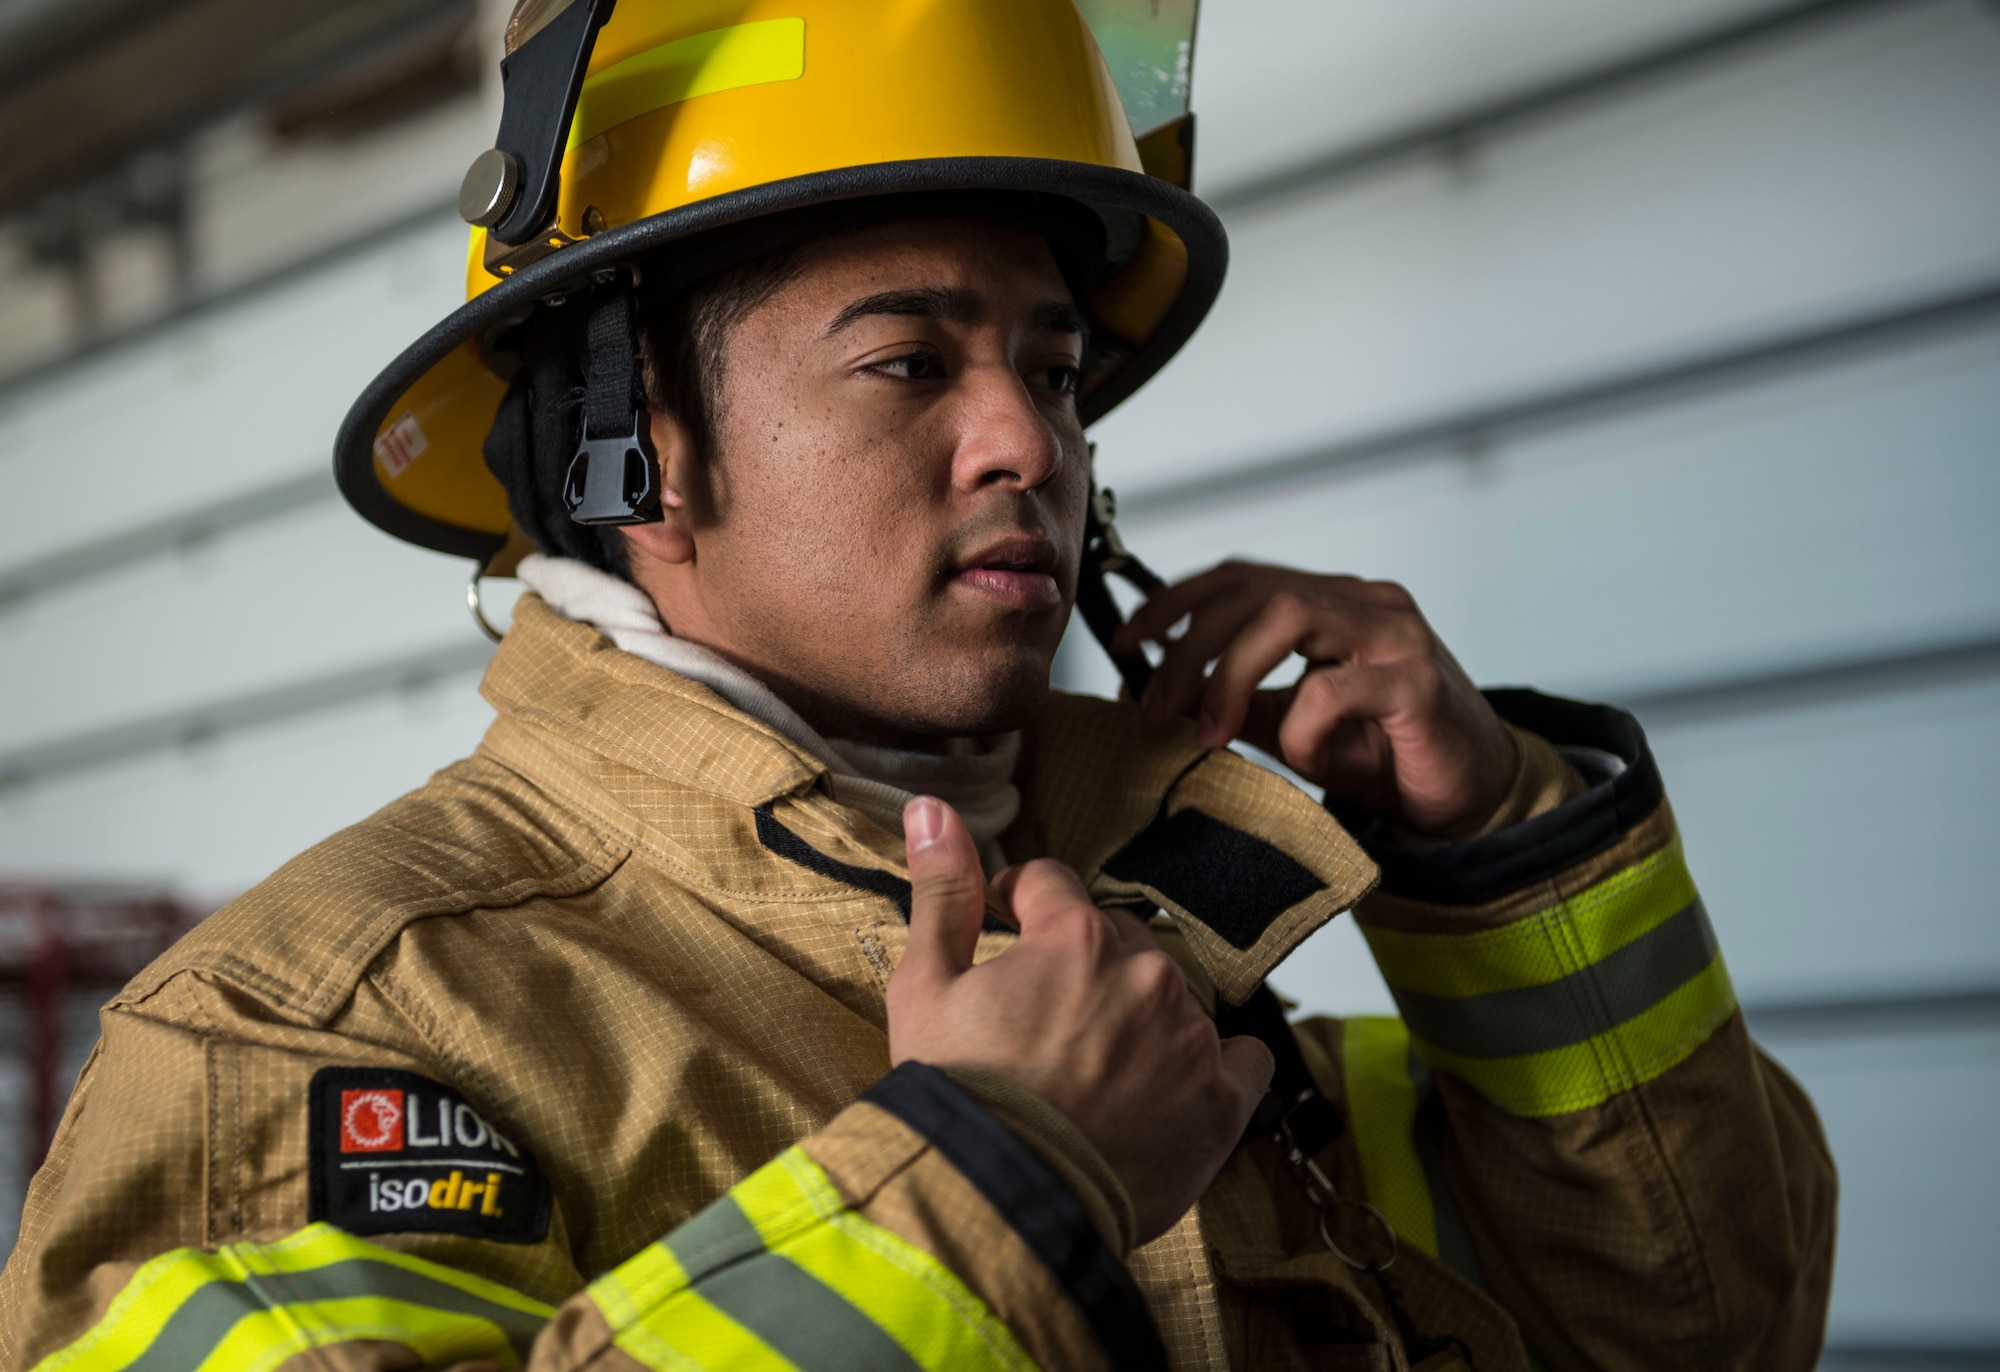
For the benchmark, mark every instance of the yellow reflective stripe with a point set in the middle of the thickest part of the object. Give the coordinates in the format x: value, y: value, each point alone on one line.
x: 682, y: 1332
x: 254, y: 1305
x: 642, y: 1280
x: 1591, y: 1072
x: 914, y: 1301
x: 896, y: 1284
x: 1382, y: 1111
x: 1542, y: 947
x: 264, y: 1340
x: 702, y: 64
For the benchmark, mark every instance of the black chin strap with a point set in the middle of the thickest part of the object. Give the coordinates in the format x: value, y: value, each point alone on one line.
x: 1104, y: 556
x: 614, y: 476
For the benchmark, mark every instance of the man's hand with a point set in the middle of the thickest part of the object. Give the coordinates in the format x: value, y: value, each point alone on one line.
x: 1085, y: 1010
x: 1383, y: 714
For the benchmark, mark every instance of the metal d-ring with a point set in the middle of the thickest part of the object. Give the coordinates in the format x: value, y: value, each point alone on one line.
x: 478, y: 610
x: 1319, y: 1188
x: 1381, y: 1222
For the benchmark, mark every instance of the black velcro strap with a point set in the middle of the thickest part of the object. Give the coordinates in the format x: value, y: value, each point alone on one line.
x: 1231, y: 880
x: 610, y: 396
x: 614, y: 477
x: 1034, y: 1202
x: 1294, y: 1100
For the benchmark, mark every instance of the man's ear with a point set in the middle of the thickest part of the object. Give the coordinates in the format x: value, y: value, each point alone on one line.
x: 672, y: 538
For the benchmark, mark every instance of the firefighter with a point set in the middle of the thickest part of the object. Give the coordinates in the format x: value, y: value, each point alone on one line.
x: 791, y: 978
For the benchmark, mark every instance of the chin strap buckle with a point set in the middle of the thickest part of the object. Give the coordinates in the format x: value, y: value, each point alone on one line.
x: 1105, y: 555
x: 614, y: 478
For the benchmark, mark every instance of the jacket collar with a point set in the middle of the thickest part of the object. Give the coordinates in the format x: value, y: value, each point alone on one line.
x: 1244, y: 862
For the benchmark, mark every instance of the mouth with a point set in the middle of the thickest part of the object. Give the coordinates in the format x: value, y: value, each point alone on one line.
x: 1018, y: 571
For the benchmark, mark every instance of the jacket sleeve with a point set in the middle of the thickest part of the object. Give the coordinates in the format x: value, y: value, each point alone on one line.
x: 1570, y: 1110
x: 916, y: 1230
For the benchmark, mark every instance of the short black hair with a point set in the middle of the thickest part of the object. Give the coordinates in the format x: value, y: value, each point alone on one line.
x: 681, y: 339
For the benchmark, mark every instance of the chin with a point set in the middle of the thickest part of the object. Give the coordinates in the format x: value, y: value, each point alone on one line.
x: 992, y: 699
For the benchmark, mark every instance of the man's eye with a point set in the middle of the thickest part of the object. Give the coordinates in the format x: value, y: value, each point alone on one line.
x: 1061, y: 380
x: 912, y: 367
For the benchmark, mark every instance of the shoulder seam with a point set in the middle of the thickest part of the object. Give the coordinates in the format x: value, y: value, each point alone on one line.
x: 588, y: 872
x: 315, y: 1003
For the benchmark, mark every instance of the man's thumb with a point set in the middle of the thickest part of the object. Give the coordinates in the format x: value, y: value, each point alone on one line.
x: 1248, y: 1064
x: 947, y: 890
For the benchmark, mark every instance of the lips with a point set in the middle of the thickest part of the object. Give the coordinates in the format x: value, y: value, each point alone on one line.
x: 1017, y: 571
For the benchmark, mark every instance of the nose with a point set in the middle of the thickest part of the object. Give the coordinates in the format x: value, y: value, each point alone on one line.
x: 1004, y: 437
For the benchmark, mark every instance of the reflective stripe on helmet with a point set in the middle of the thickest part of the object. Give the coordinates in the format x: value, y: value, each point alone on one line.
x: 724, y: 59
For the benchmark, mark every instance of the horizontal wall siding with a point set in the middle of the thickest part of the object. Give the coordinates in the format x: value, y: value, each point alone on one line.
x: 1911, y: 1119
x: 1279, y: 82
x: 1809, y: 515
x: 214, y: 816
x: 199, y: 410
x: 1763, y: 195
x: 309, y: 593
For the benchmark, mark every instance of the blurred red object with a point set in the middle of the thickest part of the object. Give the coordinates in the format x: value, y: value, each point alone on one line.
x: 59, y: 942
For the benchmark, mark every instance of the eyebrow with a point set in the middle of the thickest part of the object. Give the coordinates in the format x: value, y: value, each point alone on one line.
x: 954, y: 305
x: 1058, y: 316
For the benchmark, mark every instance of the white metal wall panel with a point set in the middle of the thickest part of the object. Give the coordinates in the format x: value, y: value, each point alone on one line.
x: 198, y: 411
x: 1279, y: 82
x: 216, y: 816
x: 1911, y: 1118
x: 287, y: 599
x: 1846, y: 847
x: 1840, y: 509
x: 1762, y: 195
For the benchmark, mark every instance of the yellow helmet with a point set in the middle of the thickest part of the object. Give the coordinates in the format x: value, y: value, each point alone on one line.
x: 693, y: 117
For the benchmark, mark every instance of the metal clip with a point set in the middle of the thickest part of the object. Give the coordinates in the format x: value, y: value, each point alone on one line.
x: 478, y: 610
x: 1321, y: 1191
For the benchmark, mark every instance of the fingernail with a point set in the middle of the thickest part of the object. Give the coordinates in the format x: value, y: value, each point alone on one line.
x: 923, y: 821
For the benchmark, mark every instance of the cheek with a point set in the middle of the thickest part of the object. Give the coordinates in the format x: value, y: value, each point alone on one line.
x: 821, y: 507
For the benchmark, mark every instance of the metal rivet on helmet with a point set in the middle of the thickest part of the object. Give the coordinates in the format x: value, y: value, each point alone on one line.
x: 489, y: 188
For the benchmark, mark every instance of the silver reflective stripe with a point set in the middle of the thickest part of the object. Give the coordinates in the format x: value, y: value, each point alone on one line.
x: 1571, y: 1009
x: 795, y: 1313
x: 206, y: 1317
x: 719, y: 1235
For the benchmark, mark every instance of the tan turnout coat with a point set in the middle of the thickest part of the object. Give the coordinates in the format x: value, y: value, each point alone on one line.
x: 637, y: 933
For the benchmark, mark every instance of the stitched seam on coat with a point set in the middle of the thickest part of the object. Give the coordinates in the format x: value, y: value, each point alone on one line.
x: 591, y: 871
x: 316, y: 1004
x: 454, y: 1062
x: 1688, y: 1249
x: 870, y: 938
x: 630, y: 670
x: 212, y: 1161
x: 596, y: 744
x: 634, y: 835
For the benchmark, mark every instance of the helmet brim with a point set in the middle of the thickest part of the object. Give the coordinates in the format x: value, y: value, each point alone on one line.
x: 1110, y: 191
